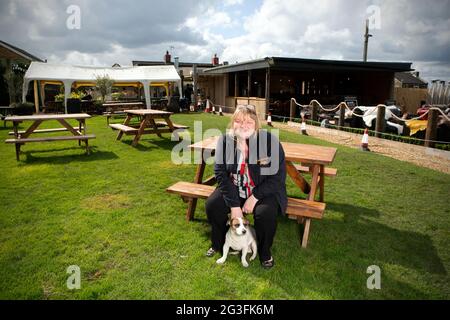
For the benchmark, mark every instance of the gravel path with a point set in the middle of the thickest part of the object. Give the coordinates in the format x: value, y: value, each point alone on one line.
x: 425, y: 157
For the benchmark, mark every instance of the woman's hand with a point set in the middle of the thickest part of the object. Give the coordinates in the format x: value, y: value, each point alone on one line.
x: 249, y: 204
x: 236, y: 212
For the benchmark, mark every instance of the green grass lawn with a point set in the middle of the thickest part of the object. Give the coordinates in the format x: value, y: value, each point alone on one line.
x: 109, y: 214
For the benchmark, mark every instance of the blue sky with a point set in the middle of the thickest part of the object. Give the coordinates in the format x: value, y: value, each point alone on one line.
x: 240, y: 10
x: 117, y: 31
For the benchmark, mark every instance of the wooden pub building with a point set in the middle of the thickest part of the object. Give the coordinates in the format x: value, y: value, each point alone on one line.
x: 271, y: 82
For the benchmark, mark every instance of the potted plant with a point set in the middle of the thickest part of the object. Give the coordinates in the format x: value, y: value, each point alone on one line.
x: 74, y: 102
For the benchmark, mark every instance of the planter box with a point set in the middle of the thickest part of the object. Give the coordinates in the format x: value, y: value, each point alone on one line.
x: 73, y: 106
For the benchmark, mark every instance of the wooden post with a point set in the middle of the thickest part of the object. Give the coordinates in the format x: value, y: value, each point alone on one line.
x: 314, y: 111
x: 194, y: 78
x: 36, y: 96
x: 381, y: 111
x: 431, y: 128
x: 267, y: 93
x: 16, y: 135
x: 236, y: 84
x: 42, y: 93
x: 249, y: 83
x: 341, y: 116
x: 292, y: 113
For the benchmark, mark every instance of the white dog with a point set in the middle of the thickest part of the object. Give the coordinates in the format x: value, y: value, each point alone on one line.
x: 240, y: 237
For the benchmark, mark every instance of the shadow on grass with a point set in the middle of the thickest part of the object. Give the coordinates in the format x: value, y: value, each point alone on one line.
x: 370, y: 240
x: 3, y: 128
x: 66, y: 158
x: 380, y: 242
x: 156, y: 142
x: 335, y: 262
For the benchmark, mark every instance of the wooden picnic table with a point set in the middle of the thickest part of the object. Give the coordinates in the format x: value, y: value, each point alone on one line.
x: 114, y: 109
x: 147, y: 124
x: 22, y: 136
x: 313, y: 160
x: 315, y: 157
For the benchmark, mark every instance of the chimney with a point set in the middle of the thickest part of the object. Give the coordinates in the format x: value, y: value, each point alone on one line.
x: 167, y: 57
x: 215, y: 60
x: 416, y: 74
x: 176, y: 62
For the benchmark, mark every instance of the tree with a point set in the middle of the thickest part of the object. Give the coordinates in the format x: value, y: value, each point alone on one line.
x: 104, y: 85
x: 13, y: 75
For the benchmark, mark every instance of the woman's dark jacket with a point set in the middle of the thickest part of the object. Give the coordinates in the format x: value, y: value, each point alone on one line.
x: 266, y: 166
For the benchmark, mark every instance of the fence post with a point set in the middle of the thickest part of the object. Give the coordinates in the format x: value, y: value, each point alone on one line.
x: 292, y: 110
x: 431, y: 128
x: 341, y: 116
x: 379, y: 127
x: 314, y: 111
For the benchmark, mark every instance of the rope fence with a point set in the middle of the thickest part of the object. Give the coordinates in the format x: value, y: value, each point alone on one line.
x: 349, y: 129
x: 373, y: 110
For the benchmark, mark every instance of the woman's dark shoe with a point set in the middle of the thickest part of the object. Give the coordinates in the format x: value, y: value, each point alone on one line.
x: 268, y: 263
x: 211, y: 252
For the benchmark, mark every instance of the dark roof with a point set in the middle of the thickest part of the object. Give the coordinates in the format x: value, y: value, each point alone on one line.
x: 409, y: 78
x: 180, y: 64
x: 20, y: 52
x: 298, y: 64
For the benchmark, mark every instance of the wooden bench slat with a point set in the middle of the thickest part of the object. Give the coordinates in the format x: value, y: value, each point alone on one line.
x: 176, y: 126
x: 114, y: 113
x: 44, y: 130
x: 305, y: 208
x: 329, y: 172
x: 46, y: 139
x: 121, y: 127
x: 296, y: 207
x: 189, y: 189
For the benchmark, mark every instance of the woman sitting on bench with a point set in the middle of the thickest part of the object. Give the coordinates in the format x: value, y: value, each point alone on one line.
x: 251, y: 174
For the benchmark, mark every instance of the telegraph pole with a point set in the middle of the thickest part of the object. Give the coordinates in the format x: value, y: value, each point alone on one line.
x: 366, y: 40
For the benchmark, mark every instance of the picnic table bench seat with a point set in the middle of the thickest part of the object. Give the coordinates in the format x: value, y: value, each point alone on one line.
x: 123, y: 128
x: 176, y: 126
x: 298, y: 209
x: 43, y: 130
x: 46, y: 139
x: 329, y: 172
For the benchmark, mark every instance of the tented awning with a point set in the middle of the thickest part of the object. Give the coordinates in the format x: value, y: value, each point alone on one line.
x: 68, y: 74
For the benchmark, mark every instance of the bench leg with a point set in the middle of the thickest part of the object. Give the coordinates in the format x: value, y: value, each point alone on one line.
x: 322, y: 184
x: 306, y: 233
x: 191, y: 209
x: 79, y: 129
x: 87, y: 147
x: 17, y: 151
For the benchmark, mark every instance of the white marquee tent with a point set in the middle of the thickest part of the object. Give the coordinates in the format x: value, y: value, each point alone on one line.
x: 67, y: 74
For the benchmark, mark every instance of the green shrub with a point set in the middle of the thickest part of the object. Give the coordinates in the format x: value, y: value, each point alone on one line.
x: 23, y: 108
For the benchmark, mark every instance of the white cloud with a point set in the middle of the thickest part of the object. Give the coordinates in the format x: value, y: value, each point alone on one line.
x: 232, y: 2
x: 113, y: 31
